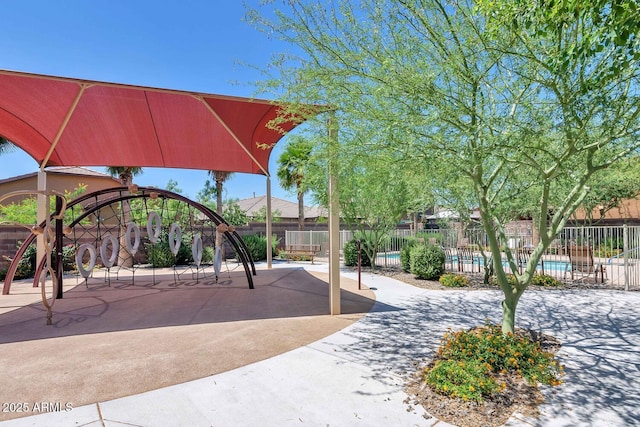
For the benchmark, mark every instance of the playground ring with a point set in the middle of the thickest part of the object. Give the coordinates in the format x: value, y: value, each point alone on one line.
x: 109, y: 260
x: 86, y: 271
x: 175, y: 238
x: 196, y: 249
x: 154, y: 226
x: 132, y: 248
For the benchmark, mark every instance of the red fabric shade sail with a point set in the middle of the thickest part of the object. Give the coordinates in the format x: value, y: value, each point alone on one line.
x: 72, y: 122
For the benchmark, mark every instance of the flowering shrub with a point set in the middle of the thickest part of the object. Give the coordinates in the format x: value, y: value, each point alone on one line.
x: 466, y: 380
x: 511, y: 280
x: 545, y: 280
x: 468, y: 363
x: 537, y: 280
x: 451, y: 280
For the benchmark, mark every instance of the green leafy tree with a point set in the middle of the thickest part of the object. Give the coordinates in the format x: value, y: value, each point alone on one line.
x: 373, y: 193
x: 523, y: 102
x: 261, y: 215
x: 172, y: 185
x: 26, y: 210
x: 233, y: 214
x: 207, y: 196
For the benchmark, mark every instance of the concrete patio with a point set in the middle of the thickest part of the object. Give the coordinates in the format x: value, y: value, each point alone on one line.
x: 354, y: 376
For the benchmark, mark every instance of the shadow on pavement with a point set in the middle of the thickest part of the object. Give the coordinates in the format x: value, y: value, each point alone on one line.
x: 599, y: 331
x: 281, y: 293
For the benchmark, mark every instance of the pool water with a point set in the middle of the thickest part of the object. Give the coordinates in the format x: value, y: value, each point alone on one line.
x: 549, y: 265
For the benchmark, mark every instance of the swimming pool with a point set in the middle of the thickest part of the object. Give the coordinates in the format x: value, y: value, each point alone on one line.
x: 549, y: 265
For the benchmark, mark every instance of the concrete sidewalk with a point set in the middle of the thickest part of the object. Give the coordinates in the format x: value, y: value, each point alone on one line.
x: 355, y: 377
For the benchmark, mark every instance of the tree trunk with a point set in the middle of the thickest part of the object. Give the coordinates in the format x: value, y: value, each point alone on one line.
x: 300, y: 211
x: 219, y: 197
x: 125, y: 259
x: 509, y: 315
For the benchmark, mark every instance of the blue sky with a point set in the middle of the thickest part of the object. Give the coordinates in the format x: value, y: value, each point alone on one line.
x: 188, y: 45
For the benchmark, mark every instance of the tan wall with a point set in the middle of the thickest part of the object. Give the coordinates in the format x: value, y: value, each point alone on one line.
x: 628, y: 210
x: 9, y: 237
x: 58, y: 182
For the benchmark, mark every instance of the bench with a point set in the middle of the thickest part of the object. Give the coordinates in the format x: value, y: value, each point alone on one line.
x: 581, y: 261
x: 300, y: 250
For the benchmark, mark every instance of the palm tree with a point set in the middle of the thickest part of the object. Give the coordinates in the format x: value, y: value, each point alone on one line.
x: 291, y: 163
x: 125, y: 175
x: 219, y: 177
x: 6, y: 146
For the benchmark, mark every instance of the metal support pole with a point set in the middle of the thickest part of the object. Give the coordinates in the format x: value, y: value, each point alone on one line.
x: 359, y: 266
x: 268, y: 231
x: 43, y: 212
x: 59, y: 267
x: 334, y: 221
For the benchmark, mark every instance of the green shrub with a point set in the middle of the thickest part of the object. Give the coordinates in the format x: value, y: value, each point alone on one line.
x: 545, y: 280
x: 69, y: 257
x: 427, y: 262
x: 405, y: 254
x: 160, y: 256
x: 609, y: 247
x: 468, y: 362
x: 257, y: 246
x: 27, y: 264
x: 451, y: 280
x: 207, y: 254
x: 350, y: 251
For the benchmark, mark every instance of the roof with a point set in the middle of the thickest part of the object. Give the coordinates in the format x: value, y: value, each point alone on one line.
x: 287, y: 209
x: 451, y: 214
x: 63, y: 170
x: 73, y: 122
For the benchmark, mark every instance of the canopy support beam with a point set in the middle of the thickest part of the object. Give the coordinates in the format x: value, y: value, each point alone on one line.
x: 268, y: 230
x: 63, y: 126
x: 233, y: 135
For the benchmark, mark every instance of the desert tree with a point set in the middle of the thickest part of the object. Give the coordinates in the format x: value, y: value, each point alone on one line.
x: 524, y: 101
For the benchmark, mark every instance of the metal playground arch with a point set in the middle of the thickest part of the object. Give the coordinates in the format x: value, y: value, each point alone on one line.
x: 99, y: 220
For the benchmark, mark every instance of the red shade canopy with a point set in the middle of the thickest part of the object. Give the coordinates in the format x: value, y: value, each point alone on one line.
x: 72, y: 122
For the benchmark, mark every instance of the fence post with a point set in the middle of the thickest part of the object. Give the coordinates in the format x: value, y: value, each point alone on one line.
x: 359, y: 263
x: 625, y: 246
